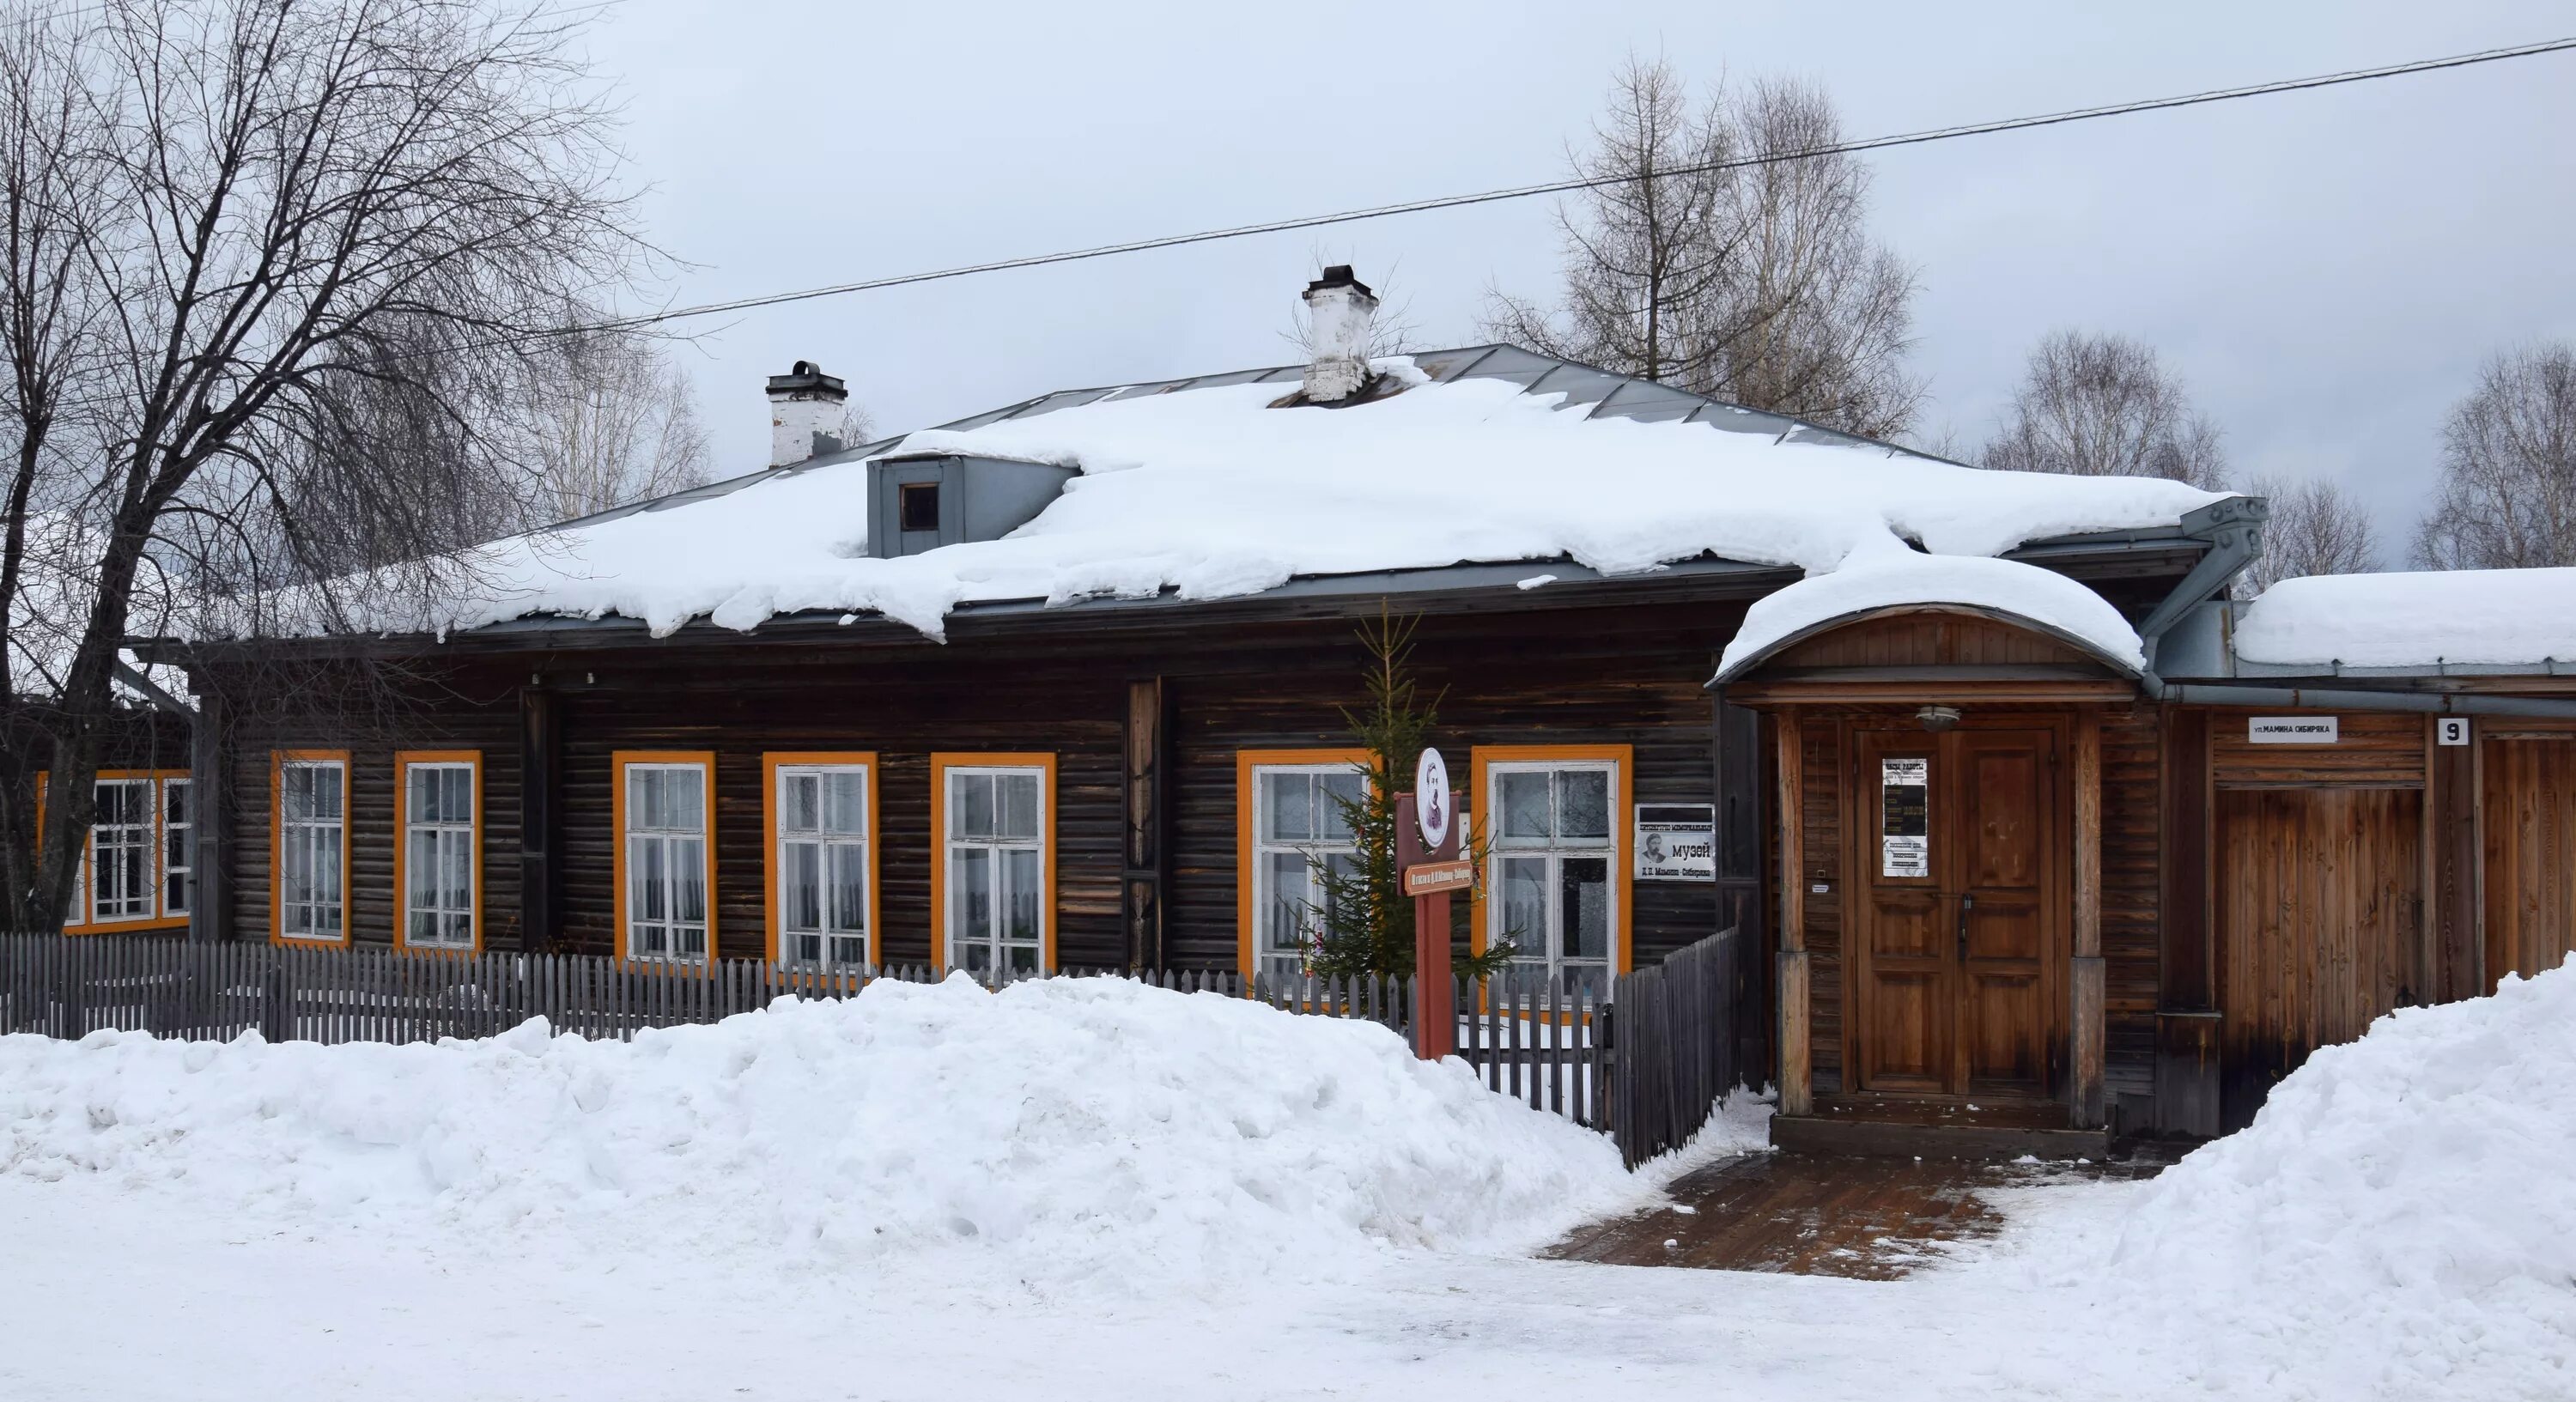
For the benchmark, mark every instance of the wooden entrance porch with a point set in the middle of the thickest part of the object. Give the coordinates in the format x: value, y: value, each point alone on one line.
x: 1941, y: 974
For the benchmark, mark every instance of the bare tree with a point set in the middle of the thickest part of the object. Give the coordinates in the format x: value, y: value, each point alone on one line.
x: 237, y: 209
x: 1713, y: 256
x: 614, y: 422
x: 2507, y: 497
x: 2315, y: 528
x: 2104, y: 406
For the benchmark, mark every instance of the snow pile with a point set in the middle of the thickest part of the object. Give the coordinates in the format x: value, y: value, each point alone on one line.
x: 1090, y: 1127
x: 1885, y: 574
x: 2399, y: 1220
x: 2467, y: 617
x: 1213, y: 493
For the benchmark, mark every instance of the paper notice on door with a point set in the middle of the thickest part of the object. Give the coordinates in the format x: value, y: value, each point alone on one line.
x: 1905, y: 817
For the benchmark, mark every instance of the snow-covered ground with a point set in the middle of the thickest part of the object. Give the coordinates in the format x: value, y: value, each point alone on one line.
x: 1080, y: 1189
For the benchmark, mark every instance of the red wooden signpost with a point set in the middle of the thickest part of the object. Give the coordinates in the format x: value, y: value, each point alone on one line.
x: 1426, y: 852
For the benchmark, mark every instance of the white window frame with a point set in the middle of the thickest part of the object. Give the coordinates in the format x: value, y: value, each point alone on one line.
x: 178, y: 850
x: 141, y: 899
x: 1269, y: 957
x: 829, y: 934
x: 443, y: 833
x: 1555, y: 851
x: 637, y: 839
x: 298, y: 919
x: 953, y: 845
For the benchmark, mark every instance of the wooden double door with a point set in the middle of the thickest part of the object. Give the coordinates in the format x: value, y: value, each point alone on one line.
x: 1958, y: 857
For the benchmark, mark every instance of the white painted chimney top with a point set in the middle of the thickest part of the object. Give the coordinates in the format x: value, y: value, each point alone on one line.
x: 1340, y: 309
x: 805, y: 414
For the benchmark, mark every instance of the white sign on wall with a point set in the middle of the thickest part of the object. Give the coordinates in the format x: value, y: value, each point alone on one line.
x: 2294, y: 730
x: 1905, y: 817
x: 2452, y: 730
x: 1676, y: 842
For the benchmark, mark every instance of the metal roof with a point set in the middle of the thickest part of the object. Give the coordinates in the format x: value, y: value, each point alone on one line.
x: 1600, y: 394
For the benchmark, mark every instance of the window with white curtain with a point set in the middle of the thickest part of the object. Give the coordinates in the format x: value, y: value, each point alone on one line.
x: 666, y: 861
x: 996, y: 853
x: 1300, y: 834
x: 438, y: 854
x: 823, y: 866
x: 120, y: 852
x: 1553, y: 879
x: 312, y: 835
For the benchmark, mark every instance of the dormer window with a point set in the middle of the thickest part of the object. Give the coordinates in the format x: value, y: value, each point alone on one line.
x: 919, y: 506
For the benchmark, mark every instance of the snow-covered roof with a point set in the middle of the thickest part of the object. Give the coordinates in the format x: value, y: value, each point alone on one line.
x: 2500, y: 618
x: 1879, y: 577
x: 1216, y: 488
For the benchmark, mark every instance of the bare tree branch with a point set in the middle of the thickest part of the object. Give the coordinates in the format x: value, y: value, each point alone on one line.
x: 2105, y: 406
x: 2507, y: 496
x: 2315, y: 528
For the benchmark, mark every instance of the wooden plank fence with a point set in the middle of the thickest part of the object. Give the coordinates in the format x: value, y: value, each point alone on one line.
x: 1642, y: 1057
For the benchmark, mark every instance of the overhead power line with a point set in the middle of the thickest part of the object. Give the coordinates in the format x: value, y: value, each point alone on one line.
x: 1570, y: 184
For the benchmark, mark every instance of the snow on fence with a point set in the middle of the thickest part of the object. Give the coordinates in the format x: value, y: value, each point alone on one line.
x: 1644, y: 1064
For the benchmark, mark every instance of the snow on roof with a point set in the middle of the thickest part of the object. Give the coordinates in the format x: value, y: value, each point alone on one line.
x: 2410, y: 619
x: 1881, y: 576
x: 1206, y: 489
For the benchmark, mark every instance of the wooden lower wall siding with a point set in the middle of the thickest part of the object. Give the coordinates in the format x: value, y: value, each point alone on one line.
x: 1631, y: 676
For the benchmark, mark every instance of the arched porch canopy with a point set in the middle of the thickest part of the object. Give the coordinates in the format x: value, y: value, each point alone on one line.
x: 1927, y: 628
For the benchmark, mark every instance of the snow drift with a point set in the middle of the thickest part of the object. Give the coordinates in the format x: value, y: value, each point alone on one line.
x: 1082, y: 1127
x: 2399, y: 1219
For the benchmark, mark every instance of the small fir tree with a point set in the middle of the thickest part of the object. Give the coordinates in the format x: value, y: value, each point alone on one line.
x: 1365, y: 924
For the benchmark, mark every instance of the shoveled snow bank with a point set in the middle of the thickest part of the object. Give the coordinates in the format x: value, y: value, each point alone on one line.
x: 2412, y: 619
x: 1885, y: 573
x: 1089, y: 1127
x: 1213, y: 492
x: 2400, y: 1219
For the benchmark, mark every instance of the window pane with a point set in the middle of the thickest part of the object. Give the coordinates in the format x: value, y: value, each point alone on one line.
x: 1019, y: 793
x: 175, y: 798
x: 421, y: 870
x: 295, y: 791
x: 456, y: 803
x: 972, y: 804
x: 971, y: 874
x: 1524, y: 903
x: 1526, y: 818
x: 689, y: 860
x: 1585, y: 888
x: 1285, y: 808
x: 1332, y: 792
x: 849, y: 869
x: 1583, y: 804
x: 689, y: 799
x: 845, y: 802
x: 1285, y: 912
x: 326, y: 791
x: 804, y: 802
x: 647, y: 880
x: 1021, y: 870
x: 458, y: 868
x: 800, y: 882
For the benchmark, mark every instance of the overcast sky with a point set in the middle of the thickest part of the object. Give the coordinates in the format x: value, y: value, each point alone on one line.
x: 2325, y: 269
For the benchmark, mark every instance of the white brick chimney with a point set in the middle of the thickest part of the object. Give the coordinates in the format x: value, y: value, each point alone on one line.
x: 805, y: 414
x: 1339, y: 310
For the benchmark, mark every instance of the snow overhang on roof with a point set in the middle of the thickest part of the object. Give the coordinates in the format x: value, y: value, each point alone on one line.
x: 2411, y: 624
x: 1209, y: 489
x: 1880, y: 582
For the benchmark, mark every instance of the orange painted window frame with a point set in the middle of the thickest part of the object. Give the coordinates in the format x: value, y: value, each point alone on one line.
x: 1247, y: 941
x: 277, y: 762
x: 403, y: 762
x: 160, y: 854
x: 1623, y: 834
x: 618, y: 761
x: 776, y: 904
x: 940, y: 764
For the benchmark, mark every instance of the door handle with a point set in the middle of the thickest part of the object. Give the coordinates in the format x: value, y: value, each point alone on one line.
x: 1966, y: 903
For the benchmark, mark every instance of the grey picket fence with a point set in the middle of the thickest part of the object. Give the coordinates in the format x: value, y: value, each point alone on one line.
x: 1641, y: 1057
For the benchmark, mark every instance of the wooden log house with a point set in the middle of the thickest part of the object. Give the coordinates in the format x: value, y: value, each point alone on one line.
x: 2007, y: 867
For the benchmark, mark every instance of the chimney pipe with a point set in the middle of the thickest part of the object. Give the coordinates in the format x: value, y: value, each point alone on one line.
x: 805, y: 414
x: 1339, y: 310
